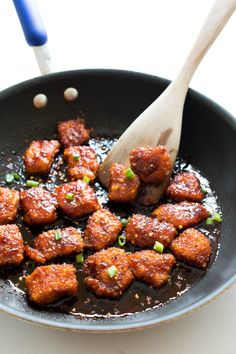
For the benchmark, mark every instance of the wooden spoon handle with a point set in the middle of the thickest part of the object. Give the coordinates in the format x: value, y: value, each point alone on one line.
x: 215, y: 22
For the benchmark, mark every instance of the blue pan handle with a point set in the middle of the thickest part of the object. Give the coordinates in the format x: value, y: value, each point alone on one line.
x: 31, y: 22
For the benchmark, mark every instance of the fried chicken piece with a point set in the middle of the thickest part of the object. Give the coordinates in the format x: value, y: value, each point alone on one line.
x: 192, y: 247
x: 185, y: 186
x: 152, y: 164
x: 82, y: 161
x: 82, y: 201
x: 39, y: 156
x: 121, y: 188
x: 9, y: 205
x: 144, y: 231
x: 50, y: 283
x: 102, y: 230
x: 181, y: 215
x: 73, y: 132
x: 55, y: 243
x: 97, y: 268
x: 39, y: 206
x: 11, y: 245
x: 151, y: 267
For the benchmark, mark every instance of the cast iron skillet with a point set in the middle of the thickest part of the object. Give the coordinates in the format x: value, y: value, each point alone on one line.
x: 110, y: 101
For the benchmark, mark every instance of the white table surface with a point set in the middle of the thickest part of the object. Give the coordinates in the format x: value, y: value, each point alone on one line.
x: 146, y: 36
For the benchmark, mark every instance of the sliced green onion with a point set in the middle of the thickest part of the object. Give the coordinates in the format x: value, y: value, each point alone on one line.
x: 129, y: 173
x: 209, y: 221
x: 9, y: 178
x: 217, y: 217
x: 79, y: 258
x: 203, y: 190
x: 16, y: 176
x: 70, y: 196
x: 31, y: 183
x: 76, y: 157
x: 57, y: 235
x: 121, y: 240
x: 124, y: 222
x: 112, y: 271
x: 86, y: 179
x: 158, y: 246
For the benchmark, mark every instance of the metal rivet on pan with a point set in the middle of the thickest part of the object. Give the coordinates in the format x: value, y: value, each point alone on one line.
x: 40, y: 100
x: 71, y: 94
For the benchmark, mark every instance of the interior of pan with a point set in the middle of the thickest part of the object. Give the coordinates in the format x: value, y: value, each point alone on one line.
x: 110, y: 100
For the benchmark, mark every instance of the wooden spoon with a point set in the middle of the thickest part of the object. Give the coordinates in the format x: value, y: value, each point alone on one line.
x: 160, y: 123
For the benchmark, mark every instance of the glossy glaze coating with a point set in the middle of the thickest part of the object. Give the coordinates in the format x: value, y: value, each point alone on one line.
x: 39, y: 156
x: 9, y: 205
x: 84, y: 200
x: 55, y: 243
x: 96, y: 272
x: 11, y: 245
x: 181, y: 215
x: 81, y: 161
x: 50, y: 283
x: 38, y: 206
x: 72, y: 132
x: 185, y: 186
x: 152, y: 164
x: 151, y: 267
x: 121, y: 188
x: 192, y: 247
x: 102, y: 230
x: 144, y: 231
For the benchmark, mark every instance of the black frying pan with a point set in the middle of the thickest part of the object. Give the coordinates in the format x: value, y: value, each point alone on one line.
x: 110, y: 100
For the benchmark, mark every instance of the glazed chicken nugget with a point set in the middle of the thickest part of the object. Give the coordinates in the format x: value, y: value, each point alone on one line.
x: 39, y: 206
x: 82, y: 161
x: 185, y: 186
x: 73, y: 132
x: 151, y: 267
x: 122, y: 188
x: 144, y: 231
x: 192, y: 247
x: 107, y: 272
x: 181, y: 215
x: 102, y: 230
x: 11, y: 245
x: 50, y: 283
x: 77, y: 199
x: 39, y: 156
x: 55, y: 243
x: 152, y: 164
x: 9, y: 205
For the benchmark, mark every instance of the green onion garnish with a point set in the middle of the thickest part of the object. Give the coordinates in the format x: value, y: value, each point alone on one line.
x: 209, y: 221
x: 79, y: 258
x: 16, y: 176
x: 203, y: 190
x: 86, y: 179
x: 129, y: 173
x: 112, y: 271
x: 158, y: 246
x: 217, y: 217
x: 124, y: 222
x: 31, y: 183
x: 70, y: 196
x: 76, y: 157
x: 9, y: 178
x: 57, y: 235
x: 121, y: 240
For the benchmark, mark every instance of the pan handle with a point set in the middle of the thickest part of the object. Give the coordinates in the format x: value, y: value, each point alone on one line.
x: 35, y: 32
x: 31, y: 22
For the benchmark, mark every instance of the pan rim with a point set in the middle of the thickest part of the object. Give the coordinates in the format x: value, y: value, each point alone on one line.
x: 147, y: 323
